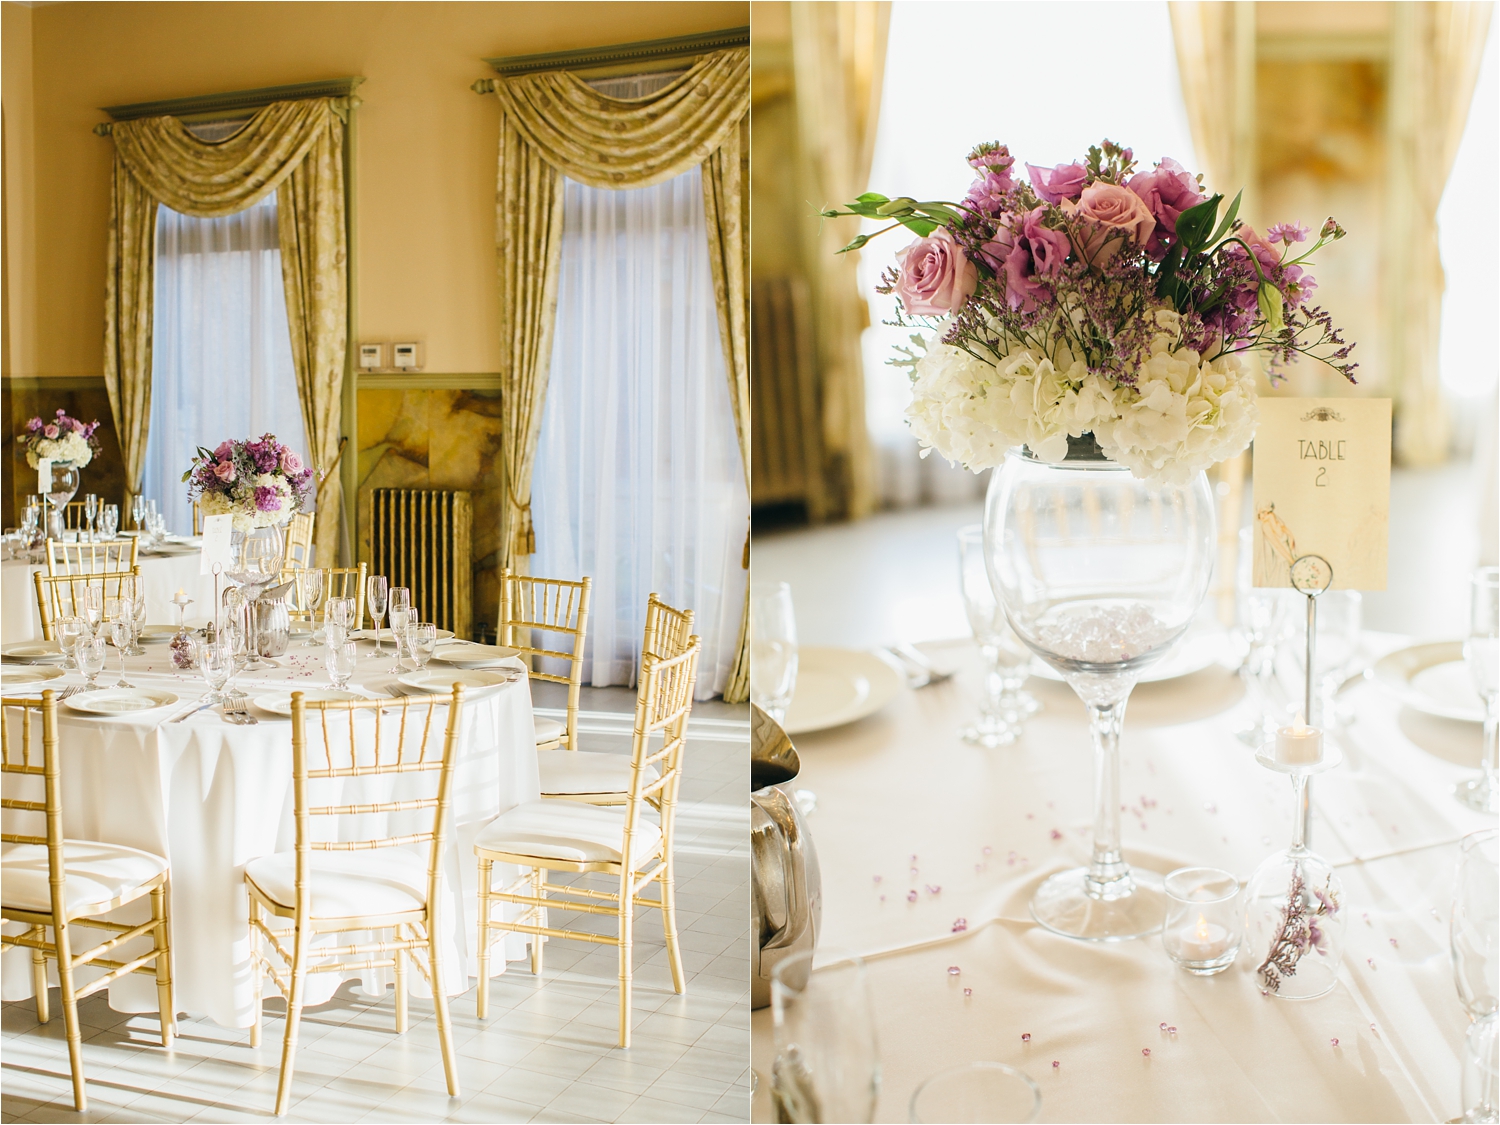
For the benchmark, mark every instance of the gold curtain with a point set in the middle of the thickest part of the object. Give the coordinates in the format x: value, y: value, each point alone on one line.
x: 838, y: 63
x: 1215, y: 43
x: 1436, y: 49
x: 158, y: 161
x: 555, y: 125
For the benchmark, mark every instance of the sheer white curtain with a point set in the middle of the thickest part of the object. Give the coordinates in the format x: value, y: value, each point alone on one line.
x: 1045, y: 105
x: 221, y: 358
x: 638, y: 479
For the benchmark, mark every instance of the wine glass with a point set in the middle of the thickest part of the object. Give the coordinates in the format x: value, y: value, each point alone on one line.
x: 216, y: 662
x: 375, y: 594
x: 827, y: 1065
x: 1100, y: 573
x: 421, y: 642
x: 400, y: 607
x: 1003, y: 704
x: 309, y: 591
x: 90, y: 512
x: 1474, y: 935
x: 1482, y: 653
x: 90, y: 651
x: 773, y: 648
x: 340, y: 662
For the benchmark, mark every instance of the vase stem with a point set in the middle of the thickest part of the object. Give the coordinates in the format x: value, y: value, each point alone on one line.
x: 1109, y: 874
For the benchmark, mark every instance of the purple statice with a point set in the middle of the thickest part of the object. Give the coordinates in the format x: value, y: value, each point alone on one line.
x: 1301, y: 929
x: 234, y: 471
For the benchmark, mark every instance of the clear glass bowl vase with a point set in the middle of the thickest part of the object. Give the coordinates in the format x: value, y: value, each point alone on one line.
x: 1100, y: 573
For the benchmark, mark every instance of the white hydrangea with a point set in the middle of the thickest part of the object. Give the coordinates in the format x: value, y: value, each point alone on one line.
x: 68, y: 447
x: 242, y: 505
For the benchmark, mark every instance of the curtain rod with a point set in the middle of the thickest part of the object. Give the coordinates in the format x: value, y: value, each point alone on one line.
x: 221, y: 105
x: 647, y: 51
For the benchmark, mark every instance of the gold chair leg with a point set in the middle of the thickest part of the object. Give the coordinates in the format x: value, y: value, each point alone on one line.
x: 161, y: 940
x: 400, y: 987
x: 538, y: 880
x: 70, y: 1016
x: 300, y: 943
x: 440, y: 1004
x: 257, y: 972
x: 627, y: 918
x: 669, y: 927
x: 39, y: 975
x: 482, y: 996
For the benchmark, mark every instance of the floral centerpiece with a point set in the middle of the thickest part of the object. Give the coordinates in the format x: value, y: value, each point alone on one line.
x: 62, y: 439
x: 1092, y: 298
x: 258, y: 481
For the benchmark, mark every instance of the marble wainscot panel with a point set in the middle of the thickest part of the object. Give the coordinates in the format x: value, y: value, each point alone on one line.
x: 438, y: 439
x: 84, y: 398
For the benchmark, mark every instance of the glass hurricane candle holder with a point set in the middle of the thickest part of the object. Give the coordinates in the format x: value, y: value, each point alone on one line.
x: 1205, y: 922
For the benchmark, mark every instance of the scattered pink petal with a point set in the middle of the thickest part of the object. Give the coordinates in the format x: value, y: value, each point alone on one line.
x: 953, y: 970
x: 968, y: 992
x: 1146, y: 1051
x: 960, y: 925
x: 1025, y: 1037
x: 911, y: 896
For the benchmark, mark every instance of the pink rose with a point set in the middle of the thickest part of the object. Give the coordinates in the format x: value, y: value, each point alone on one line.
x: 290, y: 462
x: 225, y: 451
x: 1105, y: 217
x: 1167, y: 191
x: 50, y: 430
x: 936, y: 278
x: 1063, y: 182
x: 224, y: 470
x: 1049, y: 248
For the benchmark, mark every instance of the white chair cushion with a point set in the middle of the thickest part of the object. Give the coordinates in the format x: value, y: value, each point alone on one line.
x: 568, y: 831
x: 347, y: 884
x: 548, y: 730
x: 584, y: 771
x: 96, y: 873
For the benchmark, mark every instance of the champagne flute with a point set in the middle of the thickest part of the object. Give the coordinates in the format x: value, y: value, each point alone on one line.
x: 138, y: 618
x: 375, y: 594
x: 117, y: 611
x: 1482, y: 653
x: 138, y: 510
x: 309, y: 591
x: 340, y: 662
x: 400, y: 607
x: 1474, y: 935
x: 93, y: 604
x: 827, y: 1065
x: 90, y: 512
x: 90, y: 651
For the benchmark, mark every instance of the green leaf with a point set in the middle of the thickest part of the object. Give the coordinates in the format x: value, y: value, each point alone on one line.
x: 872, y: 197
x: 921, y: 227
x: 1194, y: 224
x: 1229, y: 216
x: 1166, y: 276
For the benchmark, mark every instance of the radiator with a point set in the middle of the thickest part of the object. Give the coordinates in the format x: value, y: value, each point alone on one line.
x: 786, y: 460
x: 422, y: 540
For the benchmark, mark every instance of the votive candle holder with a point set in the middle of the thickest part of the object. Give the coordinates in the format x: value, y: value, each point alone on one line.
x: 1205, y: 923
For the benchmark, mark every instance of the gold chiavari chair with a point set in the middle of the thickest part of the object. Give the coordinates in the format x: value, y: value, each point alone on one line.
x: 61, y: 595
x: 370, y: 882
x: 598, y: 778
x: 50, y: 882
x: 74, y: 516
x: 91, y: 558
x: 550, y: 605
x: 338, y: 582
x: 624, y: 842
x: 299, y: 537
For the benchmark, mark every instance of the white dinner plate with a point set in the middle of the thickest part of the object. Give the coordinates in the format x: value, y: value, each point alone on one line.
x: 837, y: 686
x: 29, y: 674
x: 466, y: 653
x: 280, y: 702
x: 119, y: 701
x: 157, y: 634
x: 440, y: 680
x: 1433, y: 679
x: 388, y: 637
x: 1200, y: 647
x: 33, y: 652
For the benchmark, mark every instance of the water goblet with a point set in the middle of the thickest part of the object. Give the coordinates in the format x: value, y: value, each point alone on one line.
x: 1003, y: 704
x: 340, y: 662
x: 69, y: 629
x: 90, y: 512
x: 216, y: 663
x: 1482, y: 654
x: 401, y: 616
x: 375, y: 595
x: 309, y: 591
x: 89, y: 651
x: 773, y: 649
x: 109, y: 521
x: 421, y: 642
x: 827, y: 1065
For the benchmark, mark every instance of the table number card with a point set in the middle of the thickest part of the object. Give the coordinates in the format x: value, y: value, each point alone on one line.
x: 44, y: 474
x: 216, y: 534
x: 1323, y: 487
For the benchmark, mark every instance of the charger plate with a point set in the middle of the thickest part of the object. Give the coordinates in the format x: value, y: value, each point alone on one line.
x: 839, y: 685
x: 1434, y: 679
x: 33, y: 652
x: 119, y: 701
x: 29, y: 674
x: 467, y: 653
x: 441, y: 680
x: 280, y: 702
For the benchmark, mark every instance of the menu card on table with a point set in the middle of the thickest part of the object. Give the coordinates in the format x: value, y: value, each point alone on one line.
x: 1322, y: 486
x: 216, y: 536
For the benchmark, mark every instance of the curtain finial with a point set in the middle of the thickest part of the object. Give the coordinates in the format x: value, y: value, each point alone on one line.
x: 483, y: 86
x: 104, y: 128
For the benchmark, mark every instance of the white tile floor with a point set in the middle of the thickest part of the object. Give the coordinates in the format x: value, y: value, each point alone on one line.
x: 546, y: 1052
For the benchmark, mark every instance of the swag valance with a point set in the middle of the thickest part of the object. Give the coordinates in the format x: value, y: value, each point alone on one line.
x: 554, y: 125
x: 295, y: 148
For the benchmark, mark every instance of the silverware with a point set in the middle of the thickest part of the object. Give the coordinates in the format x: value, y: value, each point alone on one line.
x: 193, y: 711
x: 921, y: 671
x: 235, y: 711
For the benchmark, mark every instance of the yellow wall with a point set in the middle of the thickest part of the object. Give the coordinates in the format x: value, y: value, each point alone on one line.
x: 427, y: 144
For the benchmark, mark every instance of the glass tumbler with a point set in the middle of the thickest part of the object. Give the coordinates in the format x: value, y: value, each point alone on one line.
x: 1205, y: 922
x: 977, y: 1092
x: 773, y: 648
x: 827, y: 1065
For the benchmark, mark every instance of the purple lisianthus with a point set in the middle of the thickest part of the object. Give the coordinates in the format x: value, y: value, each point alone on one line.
x: 1287, y: 233
x: 1021, y: 287
x: 1066, y: 181
x: 267, y: 499
x: 1049, y: 248
x: 225, y: 450
x: 1167, y: 190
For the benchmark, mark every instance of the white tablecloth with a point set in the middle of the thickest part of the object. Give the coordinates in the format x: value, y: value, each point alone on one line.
x: 987, y: 826
x: 211, y: 796
x: 163, y: 576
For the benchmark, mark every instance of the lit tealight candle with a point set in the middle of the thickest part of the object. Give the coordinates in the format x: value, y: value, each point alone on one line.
x: 1202, y: 941
x: 1299, y: 745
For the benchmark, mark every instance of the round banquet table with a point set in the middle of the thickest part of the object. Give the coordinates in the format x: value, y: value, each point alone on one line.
x: 903, y: 804
x: 211, y: 796
x: 163, y: 576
